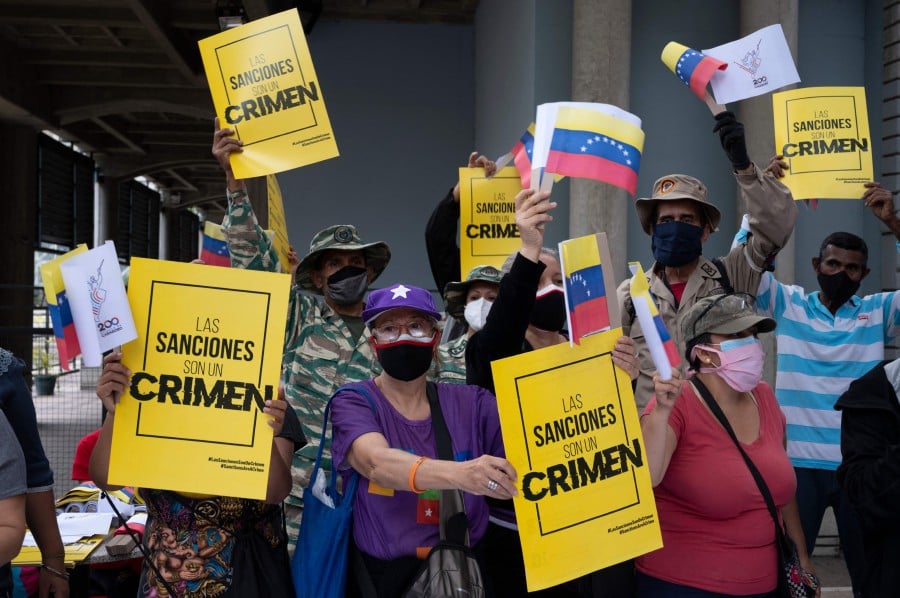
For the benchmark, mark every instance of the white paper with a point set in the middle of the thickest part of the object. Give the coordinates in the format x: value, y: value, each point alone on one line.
x: 99, y: 303
x: 758, y: 63
x: 125, y: 509
x: 83, y: 524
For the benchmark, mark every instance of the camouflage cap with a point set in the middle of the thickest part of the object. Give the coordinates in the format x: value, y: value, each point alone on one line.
x: 674, y: 187
x: 455, y: 292
x: 723, y: 314
x: 342, y: 237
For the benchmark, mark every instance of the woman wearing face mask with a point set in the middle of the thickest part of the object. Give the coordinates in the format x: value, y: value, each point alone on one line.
x: 718, y: 534
x: 392, y: 445
x: 530, y: 313
x: 469, y: 301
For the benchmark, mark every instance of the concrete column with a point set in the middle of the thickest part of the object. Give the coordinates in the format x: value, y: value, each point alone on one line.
x: 601, y: 67
x: 756, y: 113
x: 107, y: 210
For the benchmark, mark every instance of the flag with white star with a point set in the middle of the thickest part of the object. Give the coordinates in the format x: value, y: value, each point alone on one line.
x: 602, y: 142
x: 215, y: 248
x: 694, y: 68
x: 585, y: 284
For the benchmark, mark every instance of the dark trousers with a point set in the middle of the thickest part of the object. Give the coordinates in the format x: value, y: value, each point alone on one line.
x: 652, y: 587
x: 505, y: 572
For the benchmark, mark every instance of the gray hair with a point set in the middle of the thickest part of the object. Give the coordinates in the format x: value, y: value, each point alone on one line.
x: 507, y: 265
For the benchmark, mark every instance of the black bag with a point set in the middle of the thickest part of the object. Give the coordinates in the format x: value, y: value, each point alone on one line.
x: 793, y: 580
x: 450, y: 570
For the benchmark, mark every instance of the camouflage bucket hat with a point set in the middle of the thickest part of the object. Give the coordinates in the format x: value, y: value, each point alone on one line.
x: 676, y: 187
x: 455, y: 292
x: 341, y: 237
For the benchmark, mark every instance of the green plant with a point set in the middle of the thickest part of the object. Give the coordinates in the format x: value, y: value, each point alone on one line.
x: 43, y: 358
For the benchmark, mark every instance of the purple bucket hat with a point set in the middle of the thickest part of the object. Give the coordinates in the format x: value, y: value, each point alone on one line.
x: 397, y: 296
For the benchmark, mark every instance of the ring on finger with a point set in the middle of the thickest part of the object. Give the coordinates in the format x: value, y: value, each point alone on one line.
x: 491, y: 485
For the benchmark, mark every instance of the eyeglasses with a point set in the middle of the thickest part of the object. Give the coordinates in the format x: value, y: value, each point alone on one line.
x: 418, y: 328
x: 740, y: 301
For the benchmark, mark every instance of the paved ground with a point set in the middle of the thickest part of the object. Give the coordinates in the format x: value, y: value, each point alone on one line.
x: 73, y: 412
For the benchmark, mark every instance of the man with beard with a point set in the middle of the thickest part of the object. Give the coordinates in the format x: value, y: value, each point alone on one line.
x: 827, y: 339
x: 679, y: 218
x: 326, y: 343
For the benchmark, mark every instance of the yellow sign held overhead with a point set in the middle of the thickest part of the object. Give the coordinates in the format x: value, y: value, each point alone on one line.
x: 570, y: 428
x: 207, y: 357
x: 264, y: 86
x: 823, y: 134
x: 487, y: 217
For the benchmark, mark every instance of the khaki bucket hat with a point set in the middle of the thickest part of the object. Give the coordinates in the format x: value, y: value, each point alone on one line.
x: 674, y: 187
x: 342, y: 237
x: 455, y: 292
x: 723, y: 314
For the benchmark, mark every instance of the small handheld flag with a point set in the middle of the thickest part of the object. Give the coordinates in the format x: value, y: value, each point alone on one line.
x: 603, y: 143
x: 60, y: 312
x: 215, y: 248
x: 586, y: 281
x: 694, y: 68
x: 662, y: 347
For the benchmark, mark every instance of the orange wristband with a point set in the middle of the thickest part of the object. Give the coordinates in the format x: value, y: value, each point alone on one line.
x: 412, y: 475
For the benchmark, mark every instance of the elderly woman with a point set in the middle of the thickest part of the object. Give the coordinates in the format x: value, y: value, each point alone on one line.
x: 470, y: 301
x: 395, y: 517
x: 718, y: 534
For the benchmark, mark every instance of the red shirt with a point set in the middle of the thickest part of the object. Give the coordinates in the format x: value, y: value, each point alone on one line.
x: 717, y: 533
x: 82, y: 458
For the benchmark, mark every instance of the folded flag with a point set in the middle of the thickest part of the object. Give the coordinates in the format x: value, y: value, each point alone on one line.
x: 521, y: 153
x: 662, y: 347
x: 603, y: 143
x: 694, y: 68
x: 60, y: 312
x: 215, y: 248
x: 585, y: 285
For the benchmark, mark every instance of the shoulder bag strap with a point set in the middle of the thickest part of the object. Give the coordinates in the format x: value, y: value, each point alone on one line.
x: 453, y: 528
x: 757, y: 477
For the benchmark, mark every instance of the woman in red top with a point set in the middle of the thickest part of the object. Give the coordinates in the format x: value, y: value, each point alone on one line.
x: 718, y: 535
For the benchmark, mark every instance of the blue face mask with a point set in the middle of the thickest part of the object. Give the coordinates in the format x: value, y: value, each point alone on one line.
x: 676, y: 243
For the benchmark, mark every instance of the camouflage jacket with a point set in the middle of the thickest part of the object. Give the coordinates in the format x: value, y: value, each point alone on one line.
x: 772, y: 217
x: 320, y: 353
x: 451, y: 361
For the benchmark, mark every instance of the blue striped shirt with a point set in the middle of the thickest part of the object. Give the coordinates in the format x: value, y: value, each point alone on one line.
x: 819, y: 355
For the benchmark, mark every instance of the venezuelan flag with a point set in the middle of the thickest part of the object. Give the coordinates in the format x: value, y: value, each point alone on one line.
x: 604, y: 144
x: 521, y: 152
x: 67, y: 345
x: 586, y: 301
x: 215, y: 248
x: 694, y: 68
x: 662, y: 347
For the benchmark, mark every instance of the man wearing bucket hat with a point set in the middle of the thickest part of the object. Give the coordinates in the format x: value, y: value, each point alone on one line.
x: 679, y: 218
x: 326, y: 343
x: 469, y: 300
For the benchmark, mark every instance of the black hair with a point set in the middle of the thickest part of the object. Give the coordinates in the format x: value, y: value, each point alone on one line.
x: 703, y: 339
x: 847, y: 241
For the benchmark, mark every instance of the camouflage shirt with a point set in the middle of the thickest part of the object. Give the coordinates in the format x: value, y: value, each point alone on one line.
x: 451, y: 361
x: 320, y: 353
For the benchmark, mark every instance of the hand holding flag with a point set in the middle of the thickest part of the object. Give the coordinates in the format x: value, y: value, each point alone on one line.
x: 662, y: 348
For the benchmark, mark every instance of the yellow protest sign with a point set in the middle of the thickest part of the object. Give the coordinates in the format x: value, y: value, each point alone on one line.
x: 487, y: 217
x: 823, y: 134
x: 207, y: 357
x: 570, y: 428
x: 264, y: 86
x: 277, y: 222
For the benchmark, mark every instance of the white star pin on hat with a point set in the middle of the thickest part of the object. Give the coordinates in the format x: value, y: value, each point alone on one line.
x: 400, y: 291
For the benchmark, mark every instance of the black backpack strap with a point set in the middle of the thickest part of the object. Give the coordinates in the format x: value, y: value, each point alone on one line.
x: 454, y: 523
x: 723, y: 275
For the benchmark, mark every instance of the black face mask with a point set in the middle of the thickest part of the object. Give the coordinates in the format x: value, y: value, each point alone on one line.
x: 348, y: 285
x: 549, y: 311
x: 676, y: 243
x: 837, y: 288
x: 405, y: 360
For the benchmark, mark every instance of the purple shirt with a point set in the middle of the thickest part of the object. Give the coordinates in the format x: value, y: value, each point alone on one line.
x: 388, y: 524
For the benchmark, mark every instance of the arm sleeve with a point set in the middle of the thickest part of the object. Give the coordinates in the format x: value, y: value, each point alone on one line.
x: 440, y: 242
x: 12, y: 462
x: 773, y: 214
x: 248, y: 244
x: 19, y: 410
x: 291, y: 429
x: 490, y: 422
x: 351, y: 417
x: 504, y: 330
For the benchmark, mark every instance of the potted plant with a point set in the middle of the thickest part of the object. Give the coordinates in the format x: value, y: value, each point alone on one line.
x: 43, y: 364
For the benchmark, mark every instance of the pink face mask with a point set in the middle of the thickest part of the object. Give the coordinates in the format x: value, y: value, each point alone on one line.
x: 741, y: 362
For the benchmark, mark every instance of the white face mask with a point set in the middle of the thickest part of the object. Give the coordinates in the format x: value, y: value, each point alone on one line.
x: 477, y: 312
